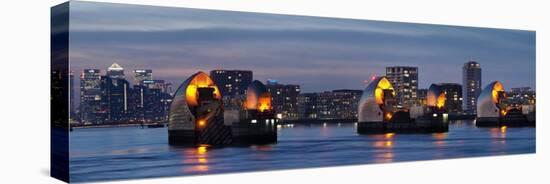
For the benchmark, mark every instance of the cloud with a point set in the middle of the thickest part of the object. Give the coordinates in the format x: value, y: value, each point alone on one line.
x: 318, y: 53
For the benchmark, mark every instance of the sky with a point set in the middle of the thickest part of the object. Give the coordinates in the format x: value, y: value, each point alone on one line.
x: 320, y: 54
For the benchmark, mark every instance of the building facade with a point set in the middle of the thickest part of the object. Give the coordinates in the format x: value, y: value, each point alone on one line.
x: 284, y: 99
x: 338, y: 104
x: 155, y: 84
x: 141, y: 75
x: 307, y: 105
x: 471, y: 86
x: 232, y: 82
x: 151, y: 103
x: 90, y: 96
x: 405, y: 81
x: 521, y: 96
x: 115, y: 71
x: 115, y: 95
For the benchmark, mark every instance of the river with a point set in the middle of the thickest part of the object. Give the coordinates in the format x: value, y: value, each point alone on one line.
x: 132, y: 152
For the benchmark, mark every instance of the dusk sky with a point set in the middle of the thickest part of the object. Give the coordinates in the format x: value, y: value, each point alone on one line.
x: 318, y: 53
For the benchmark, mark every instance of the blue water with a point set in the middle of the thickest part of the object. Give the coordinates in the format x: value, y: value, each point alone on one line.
x: 132, y: 152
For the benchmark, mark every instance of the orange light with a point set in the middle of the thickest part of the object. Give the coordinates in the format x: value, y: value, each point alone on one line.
x: 496, y: 89
x: 503, y: 129
x: 200, y: 80
x: 203, y: 160
x: 379, y: 95
x: 389, y: 143
x: 439, y: 136
x: 503, y: 112
x: 388, y: 116
x: 379, y: 91
x: 264, y: 102
x: 440, y: 101
x: 202, y: 123
x: 389, y: 135
x: 201, y: 149
x: 201, y: 168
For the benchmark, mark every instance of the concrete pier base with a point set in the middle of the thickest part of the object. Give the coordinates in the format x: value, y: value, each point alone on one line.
x: 509, y: 122
x: 181, y: 137
x: 513, y: 118
x: 215, y: 133
x: 264, y: 131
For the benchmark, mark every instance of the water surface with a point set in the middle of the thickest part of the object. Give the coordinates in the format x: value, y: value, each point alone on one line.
x: 132, y: 152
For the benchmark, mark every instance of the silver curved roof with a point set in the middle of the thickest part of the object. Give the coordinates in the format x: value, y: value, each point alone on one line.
x: 486, y: 104
x: 253, y: 92
x: 180, y: 115
x: 433, y: 93
x: 368, y: 109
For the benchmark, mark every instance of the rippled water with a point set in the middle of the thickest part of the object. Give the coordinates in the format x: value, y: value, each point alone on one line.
x: 132, y: 152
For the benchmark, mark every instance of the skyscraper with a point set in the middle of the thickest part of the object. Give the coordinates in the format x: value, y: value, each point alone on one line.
x: 232, y: 82
x: 405, y: 81
x: 142, y: 74
x: 115, y: 93
x: 150, y: 104
x: 155, y: 84
x: 284, y: 99
x: 471, y: 86
x: 90, y: 95
x: 156, y: 100
x: 115, y: 71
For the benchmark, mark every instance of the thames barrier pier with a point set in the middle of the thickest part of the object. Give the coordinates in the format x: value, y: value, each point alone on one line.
x: 196, y: 114
x: 378, y: 113
x: 493, y: 109
x: 436, y: 112
x: 255, y: 122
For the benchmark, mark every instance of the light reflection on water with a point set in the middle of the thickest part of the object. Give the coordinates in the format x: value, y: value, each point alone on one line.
x: 131, y: 152
x: 198, y: 158
x: 385, y: 145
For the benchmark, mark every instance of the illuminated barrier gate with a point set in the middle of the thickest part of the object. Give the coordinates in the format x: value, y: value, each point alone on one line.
x: 436, y: 101
x: 196, y: 114
x: 257, y: 122
x: 376, y: 107
x: 378, y: 113
x: 494, y: 110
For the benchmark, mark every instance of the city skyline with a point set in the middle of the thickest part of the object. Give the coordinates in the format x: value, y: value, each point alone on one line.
x: 320, y: 54
x: 129, y: 76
